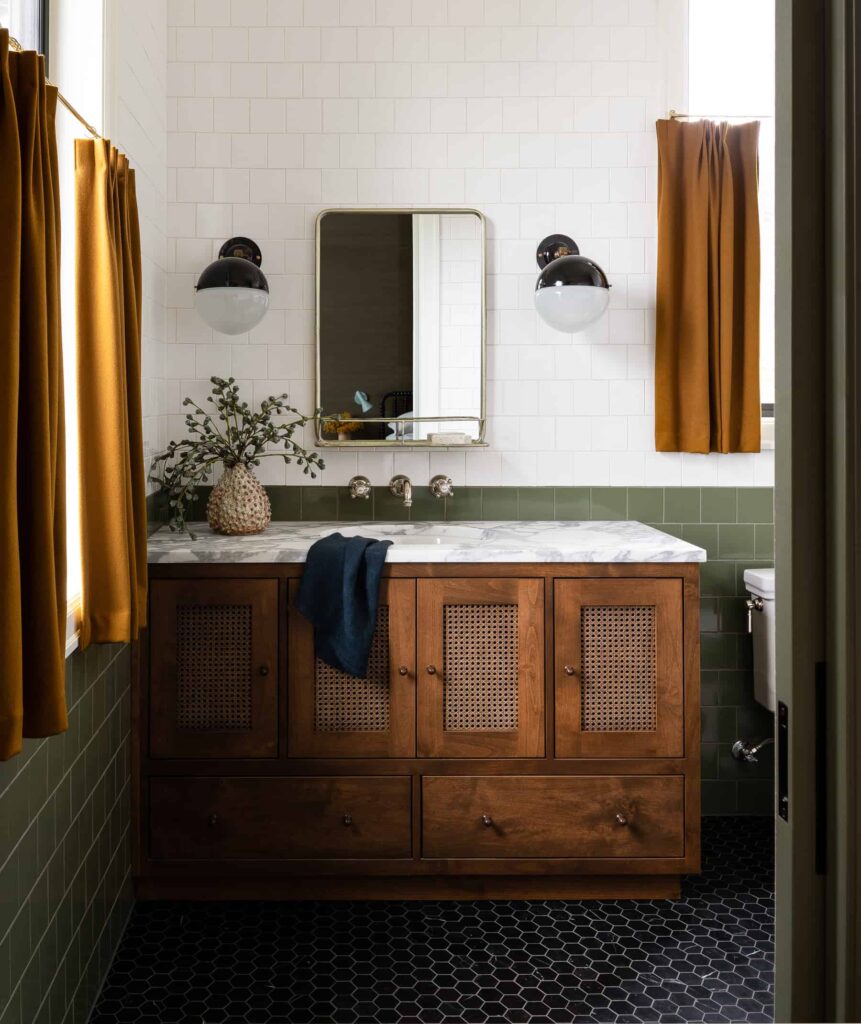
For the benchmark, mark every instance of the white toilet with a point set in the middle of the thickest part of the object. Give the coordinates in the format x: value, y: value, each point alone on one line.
x: 760, y: 586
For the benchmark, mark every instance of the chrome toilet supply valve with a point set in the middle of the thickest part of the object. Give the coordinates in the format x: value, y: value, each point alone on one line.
x: 753, y: 604
x: 360, y: 487
x: 744, y: 750
x: 441, y: 486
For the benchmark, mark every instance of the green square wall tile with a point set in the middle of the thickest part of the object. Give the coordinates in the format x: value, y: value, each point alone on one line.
x: 682, y: 504
x: 646, y: 504
x: 755, y: 505
x: 388, y: 507
x: 319, y: 503
x: 286, y: 503
x: 764, y: 541
x: 573, y: 503
x: 710, y: 689
x: 535, y: 503
x: 719, y: 798
x: 733, y: 615
x: 609, y: 503
x: 718, y: 504
x: 736, y: 540
x: 426, y: 508
x: 718, y: 650
x: 354, y: 510
x: 756, y: 797
x: 717, y: 579
x: 710, y: 620
x: 498, y: 503
x: 709, y: 760
x: 736, y: 688
x: 467, y: 504
x: 719, y: 725
x: 704, y: 535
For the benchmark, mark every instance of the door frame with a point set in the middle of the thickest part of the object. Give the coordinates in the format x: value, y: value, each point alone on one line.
x: 818, y: 465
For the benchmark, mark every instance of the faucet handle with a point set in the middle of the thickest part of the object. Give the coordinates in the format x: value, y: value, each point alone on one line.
x: 360, y: 487
x: 441, y: 486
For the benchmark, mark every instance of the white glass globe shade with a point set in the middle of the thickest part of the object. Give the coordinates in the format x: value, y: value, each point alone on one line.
x: 571, y: 307
x: 231, y: 310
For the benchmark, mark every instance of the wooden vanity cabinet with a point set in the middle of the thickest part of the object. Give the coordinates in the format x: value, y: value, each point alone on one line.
x: 524, y: 731
x: 213, y: 668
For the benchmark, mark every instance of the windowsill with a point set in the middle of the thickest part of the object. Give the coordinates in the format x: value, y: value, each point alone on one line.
x: 767, y: 434
x: 73, y: 624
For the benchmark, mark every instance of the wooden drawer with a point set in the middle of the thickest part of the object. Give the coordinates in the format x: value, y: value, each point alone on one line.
x: 280, y: 819
x: 553, y: 816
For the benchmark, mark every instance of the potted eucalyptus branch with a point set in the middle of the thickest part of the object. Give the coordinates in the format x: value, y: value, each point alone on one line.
x: 232, y: 435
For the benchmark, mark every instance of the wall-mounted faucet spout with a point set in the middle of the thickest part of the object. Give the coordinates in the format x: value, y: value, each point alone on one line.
x: 401, y: 487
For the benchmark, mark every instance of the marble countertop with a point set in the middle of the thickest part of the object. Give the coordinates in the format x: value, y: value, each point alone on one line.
x: 437, y: 542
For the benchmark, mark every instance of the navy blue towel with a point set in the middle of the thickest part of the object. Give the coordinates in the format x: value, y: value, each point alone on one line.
x: 338, y: 594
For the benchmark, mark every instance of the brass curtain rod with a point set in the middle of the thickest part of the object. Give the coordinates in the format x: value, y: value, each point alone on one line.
x: 18, y: 48
x: 675, y: 115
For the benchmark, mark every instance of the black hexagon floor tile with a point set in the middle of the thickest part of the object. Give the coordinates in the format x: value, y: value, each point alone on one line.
x: 706, y: 957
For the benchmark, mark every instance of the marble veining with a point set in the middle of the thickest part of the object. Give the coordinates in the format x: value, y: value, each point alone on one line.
x: 544, y: 541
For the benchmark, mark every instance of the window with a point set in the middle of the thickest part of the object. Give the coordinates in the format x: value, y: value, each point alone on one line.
x: 74, y: 26
x: 730, y: 77
x: 27, y: 22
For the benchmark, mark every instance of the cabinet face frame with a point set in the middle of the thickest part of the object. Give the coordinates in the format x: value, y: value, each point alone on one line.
x: 400, y: 739
x: 527, y: 740
x: 166, y: 739
x: 571, y: 596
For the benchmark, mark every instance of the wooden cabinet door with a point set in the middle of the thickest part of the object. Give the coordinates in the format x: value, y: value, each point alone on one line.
x: 332, y: 714
x: 619, y: 668
x: 481, y: 668
x: 214, y: 668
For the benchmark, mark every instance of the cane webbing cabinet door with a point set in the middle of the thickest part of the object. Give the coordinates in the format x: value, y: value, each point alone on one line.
x: 332, y: 714
x: 214, y: 668
x: 480, y: 668
x: 619, y: 672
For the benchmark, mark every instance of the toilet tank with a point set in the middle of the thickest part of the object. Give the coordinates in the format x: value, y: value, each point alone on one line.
x: 760, y: 587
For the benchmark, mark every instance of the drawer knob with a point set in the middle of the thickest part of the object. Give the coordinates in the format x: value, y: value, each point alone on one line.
x: 213, y: 819
x: 486, y: 820
x: 264, y: 670
x: 347, y: 819
x: 570, y: 670
x: 621, y: 819
x: 403, y: 670
x: 431, y: 670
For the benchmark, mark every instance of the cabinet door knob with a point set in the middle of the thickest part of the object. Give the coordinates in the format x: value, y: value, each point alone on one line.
x: 431, y: 670
x: 213, y: 819
x: 570, y: 670
x: 347, y: 819
x: 403, y: 670
x: 621, y: 819
x: 264, y: 670
x: 486, y: 820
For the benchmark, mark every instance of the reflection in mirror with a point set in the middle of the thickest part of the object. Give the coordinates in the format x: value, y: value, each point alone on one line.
x: 400, y: 326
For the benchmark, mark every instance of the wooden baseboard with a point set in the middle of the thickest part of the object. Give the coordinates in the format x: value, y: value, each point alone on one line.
x: 630, y: 887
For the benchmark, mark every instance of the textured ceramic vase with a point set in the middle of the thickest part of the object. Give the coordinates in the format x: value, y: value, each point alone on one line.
x: 238, y: 503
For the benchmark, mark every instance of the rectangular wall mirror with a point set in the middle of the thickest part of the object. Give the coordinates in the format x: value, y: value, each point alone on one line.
x: 401, y: 328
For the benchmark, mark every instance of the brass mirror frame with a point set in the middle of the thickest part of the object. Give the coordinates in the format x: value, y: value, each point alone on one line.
x: 481, y: 419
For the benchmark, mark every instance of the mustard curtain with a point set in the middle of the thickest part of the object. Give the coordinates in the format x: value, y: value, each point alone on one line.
x: 707, y: 317
x: 32, y: 452
x: 113, y: 495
